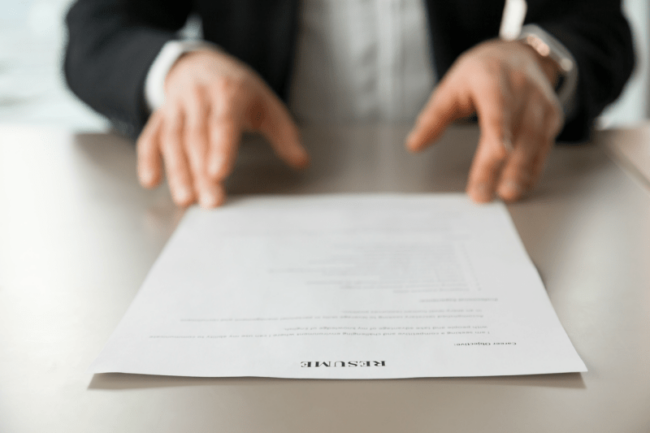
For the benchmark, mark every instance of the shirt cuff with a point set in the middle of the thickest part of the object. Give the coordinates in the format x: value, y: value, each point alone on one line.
x: 154, y: 85
x: 568, y: 85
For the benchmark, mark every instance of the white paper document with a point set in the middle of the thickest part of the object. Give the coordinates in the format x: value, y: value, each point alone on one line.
x: 342, y: 287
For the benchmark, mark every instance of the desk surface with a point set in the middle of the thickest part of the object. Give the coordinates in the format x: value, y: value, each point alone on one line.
x: 631, y: 149
x: 78, y: 235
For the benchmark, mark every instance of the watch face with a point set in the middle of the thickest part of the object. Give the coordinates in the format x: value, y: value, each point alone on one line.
x: 547, y: 46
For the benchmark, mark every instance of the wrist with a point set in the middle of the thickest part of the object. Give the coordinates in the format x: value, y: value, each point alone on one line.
x: 183, y: 59
x: 548, y: 66
x: 155, y: 82
x: 556, y: 61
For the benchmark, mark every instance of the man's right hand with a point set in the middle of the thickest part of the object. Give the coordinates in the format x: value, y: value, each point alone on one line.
x: 210, y: 99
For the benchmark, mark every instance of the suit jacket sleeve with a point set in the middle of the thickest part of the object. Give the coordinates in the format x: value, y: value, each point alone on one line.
x: 111, y: 45
x: 598, y: 36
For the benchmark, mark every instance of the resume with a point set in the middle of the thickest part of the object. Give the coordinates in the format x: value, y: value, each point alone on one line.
x: 342, y: 287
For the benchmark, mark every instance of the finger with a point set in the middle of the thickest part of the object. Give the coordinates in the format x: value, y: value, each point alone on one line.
x: 281, y: 131
x: 484, y: 173
x: 446, y: 104
x: 553, y: 126
x: 178, y: 173
x: 225, y: 134
x: 539, y: 126
x: 495, y: 106
x: 148, y: 150
x: 226, y: 104
x: 517, y: 176
x: 195, y: 143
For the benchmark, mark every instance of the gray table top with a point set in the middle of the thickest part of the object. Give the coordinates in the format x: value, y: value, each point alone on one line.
x: 78, y: 235
x: 631, y: 149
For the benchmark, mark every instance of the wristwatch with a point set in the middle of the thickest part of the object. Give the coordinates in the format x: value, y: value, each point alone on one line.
x: 549, y: 47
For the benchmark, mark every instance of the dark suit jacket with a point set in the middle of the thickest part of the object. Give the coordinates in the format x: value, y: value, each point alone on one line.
x: 112, y: 44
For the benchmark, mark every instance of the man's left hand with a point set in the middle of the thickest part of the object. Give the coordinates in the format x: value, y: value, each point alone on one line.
x: 510, y: 86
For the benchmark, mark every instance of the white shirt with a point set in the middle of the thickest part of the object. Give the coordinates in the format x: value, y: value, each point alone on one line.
x: 361, y: 60
x: 356, y: 60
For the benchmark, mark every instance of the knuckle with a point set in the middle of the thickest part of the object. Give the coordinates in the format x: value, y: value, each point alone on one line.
x: 195, y: 95
x: 221, y: 144
x: 170, y: 135
x: 493, y: 153
x: 230, y: 86
x: 499, y: 155
x: 497, y: 88
x: 194, y: 132
x: 194, y: 103
x: 222, y: 113
x: 172, y: 155
x: 495, y: 122
x: 173, y: 165
x: 171, y: 118
x: 491, y: 66
x: 229, y: 95
x: 519, y: 79
x: 222, y: 128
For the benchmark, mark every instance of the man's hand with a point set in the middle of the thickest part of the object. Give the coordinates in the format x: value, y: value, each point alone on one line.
x: 510, y: 87
x: 210, y: 99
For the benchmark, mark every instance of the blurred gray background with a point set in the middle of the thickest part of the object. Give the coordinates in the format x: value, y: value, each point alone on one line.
x: 32, y: 89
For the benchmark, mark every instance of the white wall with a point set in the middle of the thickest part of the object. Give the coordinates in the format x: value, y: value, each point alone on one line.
x: 633, y: 106
x: 32, y: 89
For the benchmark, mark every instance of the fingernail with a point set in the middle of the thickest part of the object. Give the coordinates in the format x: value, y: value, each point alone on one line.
x: 511, y: 190
x: 301, y: 156
x: 146, y: 177
x: 208, y: 200
x: 483, y: 192
x: 216, y: 165
x: 184, y: 195
x: 409, y: 140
